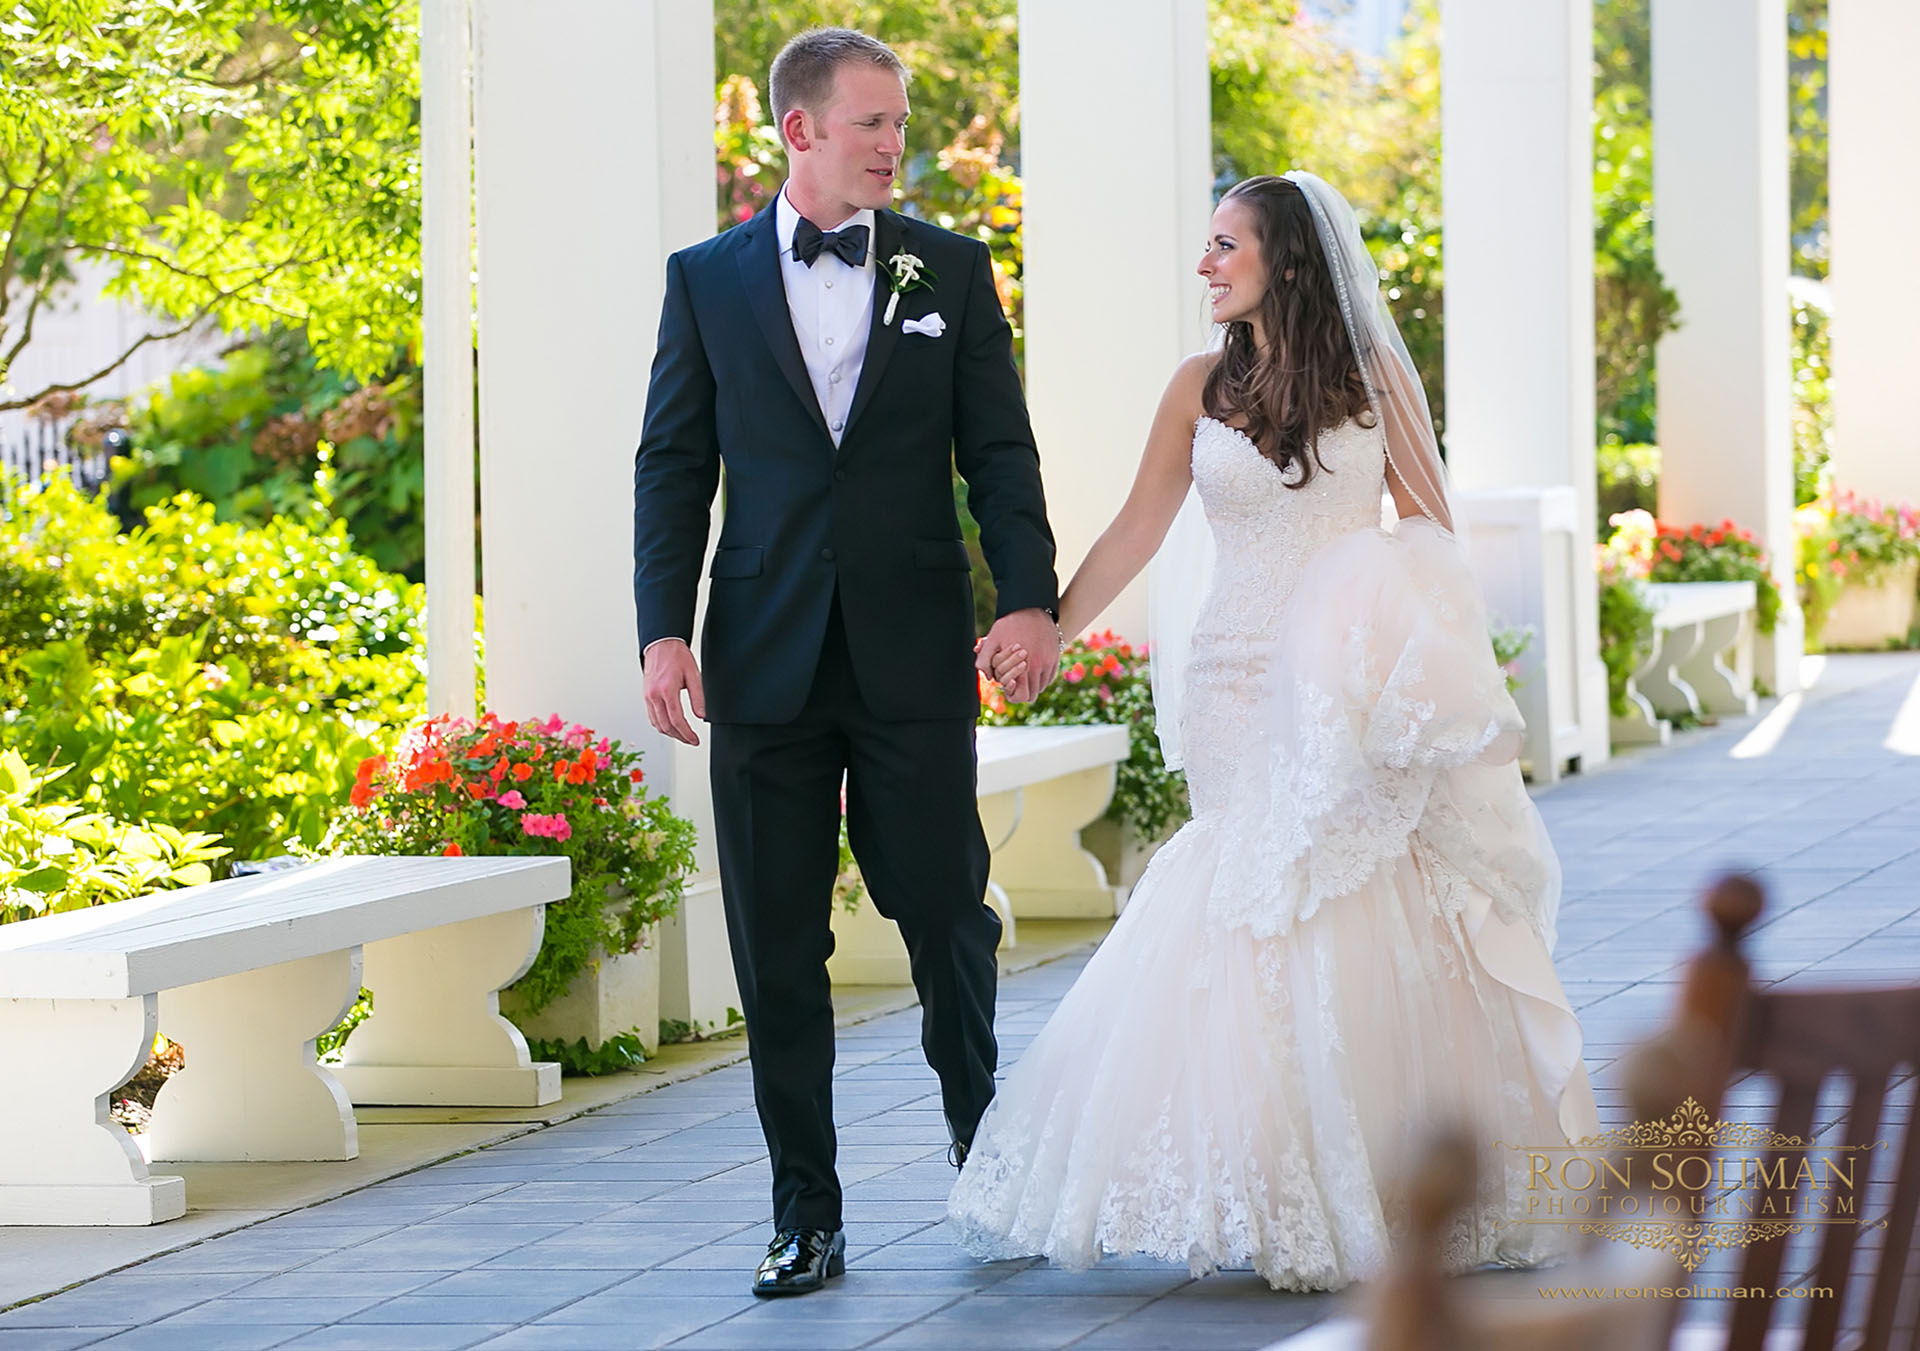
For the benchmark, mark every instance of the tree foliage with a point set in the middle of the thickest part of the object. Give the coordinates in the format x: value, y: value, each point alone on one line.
x: 237, y: 163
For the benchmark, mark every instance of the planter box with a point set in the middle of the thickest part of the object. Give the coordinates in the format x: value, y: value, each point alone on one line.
x: 1872, y: 616
x: 696, y: 963
x: 616, y: 993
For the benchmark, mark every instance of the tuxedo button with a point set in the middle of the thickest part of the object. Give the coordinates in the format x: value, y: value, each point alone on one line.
x: 827, y: 554
x: 834, y: 377
x: 829, y: 342
x: 829, y: 285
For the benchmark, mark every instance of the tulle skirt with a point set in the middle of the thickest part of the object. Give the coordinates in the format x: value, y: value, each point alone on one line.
x: 1345, y: 949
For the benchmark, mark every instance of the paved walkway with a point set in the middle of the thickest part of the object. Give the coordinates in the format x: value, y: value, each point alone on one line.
x: 637, y: 1225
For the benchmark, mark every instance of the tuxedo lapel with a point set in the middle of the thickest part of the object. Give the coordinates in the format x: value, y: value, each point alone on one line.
x: 890, y: 235
x: 759, y: 260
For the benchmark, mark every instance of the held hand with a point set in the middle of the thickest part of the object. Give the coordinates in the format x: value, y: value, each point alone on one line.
x: 671, y: 669
x: 1037, y: 641
x: 1009, y: 664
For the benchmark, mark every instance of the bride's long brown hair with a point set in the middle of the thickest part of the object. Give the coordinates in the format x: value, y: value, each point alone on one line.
x: 1306, y: 379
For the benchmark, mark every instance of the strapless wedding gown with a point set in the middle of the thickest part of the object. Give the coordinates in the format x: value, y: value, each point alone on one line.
x: 1346, y: 946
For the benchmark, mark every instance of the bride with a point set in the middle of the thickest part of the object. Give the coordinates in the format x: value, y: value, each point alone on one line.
x: 1349, y: 942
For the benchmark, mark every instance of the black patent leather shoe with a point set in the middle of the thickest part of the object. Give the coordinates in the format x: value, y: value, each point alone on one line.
x: 799, y: 1261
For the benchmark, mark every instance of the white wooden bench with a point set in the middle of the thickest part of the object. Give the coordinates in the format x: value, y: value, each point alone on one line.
x: 1701, y: 662
x: 245, y: 974
x: 1037, y: 788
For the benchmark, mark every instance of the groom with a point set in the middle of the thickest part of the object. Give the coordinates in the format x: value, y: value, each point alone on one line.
x: 838, y: 359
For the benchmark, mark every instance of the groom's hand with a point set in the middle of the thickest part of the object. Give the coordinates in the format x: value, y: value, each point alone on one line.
x: 1032, y: 631
x: 671, y: 669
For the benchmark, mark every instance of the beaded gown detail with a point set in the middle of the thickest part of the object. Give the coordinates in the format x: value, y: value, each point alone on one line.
x: 1347, y: 945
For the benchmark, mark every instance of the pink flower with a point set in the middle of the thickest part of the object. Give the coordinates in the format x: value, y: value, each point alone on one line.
x: 552, y: 827
x: 511, y: 798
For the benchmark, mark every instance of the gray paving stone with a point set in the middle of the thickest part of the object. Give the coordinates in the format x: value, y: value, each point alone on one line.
x: 53, y: 1339
x: 124, y: 1298
x: 661, y: 1315
x: 397, y: 1337
x: 169, y: 1336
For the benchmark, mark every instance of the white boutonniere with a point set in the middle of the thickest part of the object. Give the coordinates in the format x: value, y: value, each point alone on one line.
x: 905, y: 272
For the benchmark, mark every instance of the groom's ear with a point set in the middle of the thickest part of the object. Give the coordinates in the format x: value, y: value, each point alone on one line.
x: 794, y: 131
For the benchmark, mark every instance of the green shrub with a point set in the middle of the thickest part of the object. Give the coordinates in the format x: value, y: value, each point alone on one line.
x: 56, y: 855
x: 1628, y: 480
x: 217, y: 677
x: 272, y: 433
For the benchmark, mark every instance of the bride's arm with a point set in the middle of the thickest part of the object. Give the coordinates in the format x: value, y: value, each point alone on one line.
x: 1159, y: 488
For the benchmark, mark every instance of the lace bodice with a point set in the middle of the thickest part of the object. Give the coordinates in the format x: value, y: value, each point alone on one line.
x: 1264, y: 532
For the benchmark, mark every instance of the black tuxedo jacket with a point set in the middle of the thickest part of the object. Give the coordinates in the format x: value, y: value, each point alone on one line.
x: 875, y: 519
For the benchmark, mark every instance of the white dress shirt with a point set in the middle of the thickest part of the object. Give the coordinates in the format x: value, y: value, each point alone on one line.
x: 831, y: 305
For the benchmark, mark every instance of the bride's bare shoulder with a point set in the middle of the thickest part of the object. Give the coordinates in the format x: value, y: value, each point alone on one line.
x: 1190, y: 379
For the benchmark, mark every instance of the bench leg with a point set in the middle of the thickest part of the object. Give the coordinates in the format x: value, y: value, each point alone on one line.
x: 251, y: 1088
x: 1723, y: 688
x: 1663, y: 684
x: 63, y: 1158
x: 1041, y: 866
x: 1641, y: 725
x: 436, y: 1037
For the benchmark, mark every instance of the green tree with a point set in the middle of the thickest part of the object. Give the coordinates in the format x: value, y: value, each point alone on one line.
x: 1287, y: 95
x: 237, y: 163
x: 1632, y: 304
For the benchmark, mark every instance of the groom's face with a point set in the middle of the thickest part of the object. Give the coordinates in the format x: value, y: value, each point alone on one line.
x: 848, y: 154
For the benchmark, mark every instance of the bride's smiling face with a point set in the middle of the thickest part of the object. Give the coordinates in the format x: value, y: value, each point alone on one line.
x: 1236, y: 276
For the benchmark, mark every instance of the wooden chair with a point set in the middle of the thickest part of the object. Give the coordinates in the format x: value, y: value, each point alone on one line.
x: 1866, y: 1042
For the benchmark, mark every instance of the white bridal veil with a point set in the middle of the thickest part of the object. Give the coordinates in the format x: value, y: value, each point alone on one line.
x: 1178, y: 578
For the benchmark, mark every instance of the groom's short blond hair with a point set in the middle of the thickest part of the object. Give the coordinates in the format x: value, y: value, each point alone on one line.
x: 803, y: 73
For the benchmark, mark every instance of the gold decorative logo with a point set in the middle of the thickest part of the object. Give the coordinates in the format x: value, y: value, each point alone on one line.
x: 1693, y: 1185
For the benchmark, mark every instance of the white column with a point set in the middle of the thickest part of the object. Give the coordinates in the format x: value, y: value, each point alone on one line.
x: 1517, y: 119
x: 446, y: 333
x: 1113, y: 226
x: 1873, y: 104
x: 1720, y: 232
x: 594, y: 161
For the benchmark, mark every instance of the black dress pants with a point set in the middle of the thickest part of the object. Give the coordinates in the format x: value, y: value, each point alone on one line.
x: 915, y: 829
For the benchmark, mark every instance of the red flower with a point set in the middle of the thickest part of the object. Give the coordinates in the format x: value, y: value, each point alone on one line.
x: 361, y: 795
x: 479, y: 790
x: 636, y: 776
x: 452, y: 851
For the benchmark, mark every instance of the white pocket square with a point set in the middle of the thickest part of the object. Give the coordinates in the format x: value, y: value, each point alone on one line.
x: 931, y: 325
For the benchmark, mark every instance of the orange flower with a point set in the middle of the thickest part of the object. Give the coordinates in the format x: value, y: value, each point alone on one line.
x: 560, y: 768
x: 452, y: 851
x: 361, y: 795
x: 521, y: 773
x: 499, y: 770
x: 479, y: 789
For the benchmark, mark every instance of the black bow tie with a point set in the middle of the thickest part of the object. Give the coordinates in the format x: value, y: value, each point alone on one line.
x: 849, y: 243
